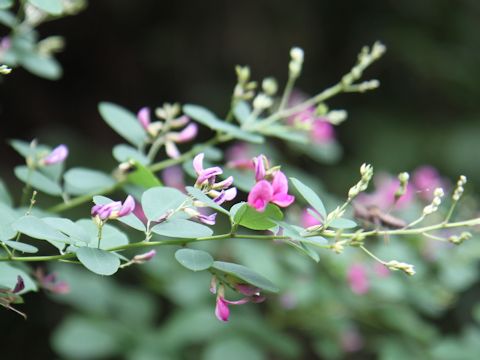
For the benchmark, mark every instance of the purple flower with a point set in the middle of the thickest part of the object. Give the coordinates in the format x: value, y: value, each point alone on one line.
x: 259, y: 163
x: 307, y: 220
x: 142, y: 258
x: 19, y: 286
x: 222, y: 312
x: 56, y: 156
x: 238, y: 157
x: 426, y: 179
x: 358, y: 280
x: 173, y: 177
x: 173, y: 138
x: 114, y: 209
x: 207, y: 219
x: 50, y: 282
x: 260, y: 195
x: 207, y: 174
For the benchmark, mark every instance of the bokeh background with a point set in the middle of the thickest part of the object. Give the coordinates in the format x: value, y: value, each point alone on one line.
x: 138, y: 53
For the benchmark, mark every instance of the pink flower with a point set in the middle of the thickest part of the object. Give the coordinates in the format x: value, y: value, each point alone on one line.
x: 357, y: 278
x: 173, y: 138
x: 238, y: 157
x: 57, y: 155
x: 426, y: 179
x: 307, y: 220
x: 222, y: 311
x: 276, y: 192
x: 114, y: 209
x: 143, y: 117
x: 322, y: 131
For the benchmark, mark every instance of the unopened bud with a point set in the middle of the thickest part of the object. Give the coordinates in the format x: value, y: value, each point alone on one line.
x: 336, y: 117
x: 296, y: 54
x: 270, y: 86
x: 337, y: 247
x: 142, y: 258
x: 243, y: 73
x: 262, y: 101
x: 396, y: 265
x: 438, y: 192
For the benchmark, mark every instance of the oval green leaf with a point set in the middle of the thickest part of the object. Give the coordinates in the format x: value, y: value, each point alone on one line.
x: 124, y: 122
x: 199, y: 195
x: 98, y: 261
x: 243, y: 273
x: 310, y: 196
x: 181, y: 228
x: 81, y: 181
x: 252, y: 219
x: 158, y: 200
x: 195, y: 260
x: 38, y: 181
x: 22, y: 247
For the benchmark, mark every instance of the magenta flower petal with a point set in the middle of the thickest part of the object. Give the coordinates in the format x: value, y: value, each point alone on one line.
x: 143, y: 117
x: 207, y: 219
x: 322, y: 131
x: 187, y: 134
x: 127, y: 207
x: 237, y: 302
x: 225, y: 184
x: 198, y: 163
x: 280, y: 183
x: 57, y: 155
x: 259, y: 167
x: 308, y: 220
x: 208, y: 174
x: 247, y: 290
x: 260, y: 195
x: 222, y: 312
x: 283, y: 200
x: 230, y: 194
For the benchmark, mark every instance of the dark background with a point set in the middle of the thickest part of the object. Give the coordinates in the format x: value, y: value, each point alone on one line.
x: 138, y: 53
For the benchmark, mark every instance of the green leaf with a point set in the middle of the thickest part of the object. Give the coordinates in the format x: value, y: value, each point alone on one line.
x: 26, y: 248
x: 7, y: 218
x: 38, y: 181
x: 5, y: 197
x: 242, y: 111
x: 26, y: 150
x: 233, y: 349
x: 5, y: 4
x: 195, y: 260
x: 80, y: 181
x: 131, y: 219
x: 98, y: 261
x: 209, y: 119
x: 44, y: 66
x: 68, y: 227
x: 123, y: 153
x: 143, y: 176
x: 310, y: 196
x: 286, y: 133
x: 183, y: 229
x: 252, y: 219
x: 111, y: 236
x: 298, y: 241
x: 9, y: 275
x: 342, y: 224
x: 124, y: 122
x: 8, y: 19
x: 53, y: 7
x: 38, y: 229
x: 200, y: 196
x: 103, y: 338
x: 158, y: 200
x: 245, y: 274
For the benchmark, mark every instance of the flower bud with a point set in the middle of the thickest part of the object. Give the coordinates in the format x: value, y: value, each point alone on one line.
x: 142, y: 258
x: 270, y: 86
x: 296, y: 54
x: 336, y: 117
x: 396, y: 265
x: 262, y: 101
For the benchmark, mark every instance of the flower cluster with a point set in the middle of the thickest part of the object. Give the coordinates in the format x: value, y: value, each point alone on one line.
x: 113, y: 210
x: 206, y: 181
x: 271, y: 186
x: 163, y: 129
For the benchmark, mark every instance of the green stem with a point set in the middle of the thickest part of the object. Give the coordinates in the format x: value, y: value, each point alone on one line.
x: 325, y: 233
x: 286, y: 93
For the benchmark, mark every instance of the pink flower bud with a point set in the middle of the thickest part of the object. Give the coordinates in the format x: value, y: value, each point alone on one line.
x: 57, y: 155
x: 143, y: 117
x: 142, y: 258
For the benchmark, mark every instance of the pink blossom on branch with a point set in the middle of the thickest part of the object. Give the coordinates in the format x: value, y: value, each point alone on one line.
x: 114, y: 209
x: 57, y: 155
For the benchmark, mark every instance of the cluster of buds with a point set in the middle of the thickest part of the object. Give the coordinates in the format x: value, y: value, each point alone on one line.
x: 245, y: 89
x: 458, y: 239
x: 271, y: 186
x: 262, y: 101
x: 113, y: 210
x: 366, y: 173
x: 169, y: 119
x: 366, y: 57
x: 338, y: 247
x: 222, y: 311
x: 458, y: 192
x: 206, y: 181
x: 402, y: 189
x: 437, y: 200
x: 296, y: 62
x: 396, y: 265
